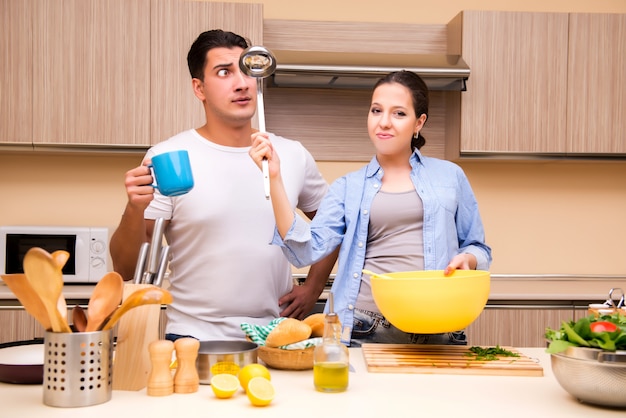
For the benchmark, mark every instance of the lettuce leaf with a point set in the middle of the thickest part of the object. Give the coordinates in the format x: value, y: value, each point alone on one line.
x: 579, y: 334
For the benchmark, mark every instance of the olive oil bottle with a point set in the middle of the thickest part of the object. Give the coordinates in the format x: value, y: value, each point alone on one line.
x: 331, y: 358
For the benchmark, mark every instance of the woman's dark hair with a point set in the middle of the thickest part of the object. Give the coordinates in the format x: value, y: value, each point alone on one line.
x: 419, y: 94
x: 196, y: 58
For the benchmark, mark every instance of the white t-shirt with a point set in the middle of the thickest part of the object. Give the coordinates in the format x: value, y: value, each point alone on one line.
x: 224, y: 271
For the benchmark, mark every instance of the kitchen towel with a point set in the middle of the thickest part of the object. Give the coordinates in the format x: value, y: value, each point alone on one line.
x: 258, y: 334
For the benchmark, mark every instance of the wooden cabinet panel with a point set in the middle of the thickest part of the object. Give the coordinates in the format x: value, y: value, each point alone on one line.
x: 516, y: 326
x: 16, y: 71
x: 516, y: 94
x: 18, y: 325
x: 596, y: 110
x: 310, y: 40
x: 92, y: 62
x: 332, y: 123
x: 175, y: 25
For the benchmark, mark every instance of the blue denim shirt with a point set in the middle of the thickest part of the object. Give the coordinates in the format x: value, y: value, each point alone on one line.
x: 452, y: 225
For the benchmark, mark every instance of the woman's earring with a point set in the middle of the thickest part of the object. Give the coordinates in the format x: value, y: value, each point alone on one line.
x: 416, y: 135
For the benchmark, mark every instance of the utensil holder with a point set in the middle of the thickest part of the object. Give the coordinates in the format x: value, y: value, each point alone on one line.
x: 135, y: 331
x: 77, y: 368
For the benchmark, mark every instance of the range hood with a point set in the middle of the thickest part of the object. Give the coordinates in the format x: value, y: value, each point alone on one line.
x: 440, y: 72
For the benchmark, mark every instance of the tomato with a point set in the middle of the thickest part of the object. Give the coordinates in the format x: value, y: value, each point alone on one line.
x: 603, y: 326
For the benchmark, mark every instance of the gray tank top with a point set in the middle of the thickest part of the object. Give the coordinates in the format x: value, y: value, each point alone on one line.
x: 395, y: 239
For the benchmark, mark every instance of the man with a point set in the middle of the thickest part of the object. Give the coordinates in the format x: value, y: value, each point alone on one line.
x: 224, y: 271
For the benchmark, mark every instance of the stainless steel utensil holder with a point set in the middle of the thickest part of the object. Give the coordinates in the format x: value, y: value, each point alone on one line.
x: 77, y: 368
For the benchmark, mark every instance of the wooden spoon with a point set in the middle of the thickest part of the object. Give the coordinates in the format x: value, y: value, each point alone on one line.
x: 79, y: 319
x: 47, y: 281
x: 60, y: 257
x: 146, y: 296
x: 105, y: 299
x: 30, y: 300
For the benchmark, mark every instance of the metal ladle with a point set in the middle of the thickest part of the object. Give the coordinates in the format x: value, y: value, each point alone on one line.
x: 259, y: 62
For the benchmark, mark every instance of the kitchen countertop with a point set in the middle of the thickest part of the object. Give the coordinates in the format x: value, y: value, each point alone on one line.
x: 369, y: 394
x: 504, y: 288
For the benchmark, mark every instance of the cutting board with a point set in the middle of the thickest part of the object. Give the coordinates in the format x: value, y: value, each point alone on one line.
x: 443, y: 359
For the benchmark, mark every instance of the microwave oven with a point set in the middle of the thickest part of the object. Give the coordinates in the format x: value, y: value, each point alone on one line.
x: 88, y: 248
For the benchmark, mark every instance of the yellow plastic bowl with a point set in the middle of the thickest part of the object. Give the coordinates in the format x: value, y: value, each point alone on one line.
x: 427, y: 302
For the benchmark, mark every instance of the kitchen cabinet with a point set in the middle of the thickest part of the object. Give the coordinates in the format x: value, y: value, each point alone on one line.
x: 175, y: 25
x: 92, y: 61
x: 519, y: 325
x: 18, y: 325
x: 516, y: 94
x: 596, y: 104
x: 16, y: 89
x: 540, y: 84
x: 110, y: 74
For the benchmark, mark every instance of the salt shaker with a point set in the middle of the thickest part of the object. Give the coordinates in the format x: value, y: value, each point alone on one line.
x: 186, y: 379
x: 160, y: 380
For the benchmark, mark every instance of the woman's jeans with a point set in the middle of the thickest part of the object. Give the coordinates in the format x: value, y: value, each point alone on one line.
x: 372, y: 327
x: 174, y: 337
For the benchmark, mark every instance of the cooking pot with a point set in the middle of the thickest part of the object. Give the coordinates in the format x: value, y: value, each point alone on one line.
x: 216, y: 357
x: 22, y: 362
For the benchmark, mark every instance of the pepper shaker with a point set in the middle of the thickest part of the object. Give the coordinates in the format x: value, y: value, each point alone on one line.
x: 186, y: 379
x: 160, y: 380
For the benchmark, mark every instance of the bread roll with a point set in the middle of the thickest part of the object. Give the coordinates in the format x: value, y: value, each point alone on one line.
x: 288, y: 331
x: 316, y: 322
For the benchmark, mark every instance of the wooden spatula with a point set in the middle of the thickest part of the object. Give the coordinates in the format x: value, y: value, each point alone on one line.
x: 105, y: 299
x: 30, y: 300
x: 46, y: 279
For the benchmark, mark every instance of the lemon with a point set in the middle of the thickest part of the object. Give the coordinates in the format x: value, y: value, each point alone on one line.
x: 224, y: 385
x: 260, y: 391
x: 250, y: 371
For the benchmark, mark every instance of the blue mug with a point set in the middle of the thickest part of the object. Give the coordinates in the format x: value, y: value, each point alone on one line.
x: 172, y: 173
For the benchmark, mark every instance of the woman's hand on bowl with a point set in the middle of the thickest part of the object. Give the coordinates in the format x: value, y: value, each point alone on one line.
x: 463, y: 261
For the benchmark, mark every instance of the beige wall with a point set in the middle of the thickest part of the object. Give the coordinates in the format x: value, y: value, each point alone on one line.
x: 540, y: 217
x: 418, y: 11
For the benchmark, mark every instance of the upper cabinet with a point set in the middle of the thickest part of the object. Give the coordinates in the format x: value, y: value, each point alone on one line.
x: 596, y: 106
x: 112, y: 74
x: 516, y: 94
x: 91, y: 77
x: 105, y: 74
x: 540, y: 84
x: 16, y: 72
x: 175, y: 25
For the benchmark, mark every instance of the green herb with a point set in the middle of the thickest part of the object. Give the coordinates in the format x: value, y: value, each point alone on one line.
x: 489, y: 353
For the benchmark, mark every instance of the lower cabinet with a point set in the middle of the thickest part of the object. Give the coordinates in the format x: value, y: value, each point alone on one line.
x: 517, y: 325
x: 512, y: 325
x: 18, y: 325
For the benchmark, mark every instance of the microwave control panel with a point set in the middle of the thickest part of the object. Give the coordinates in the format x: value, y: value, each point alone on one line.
x: 98, y: 253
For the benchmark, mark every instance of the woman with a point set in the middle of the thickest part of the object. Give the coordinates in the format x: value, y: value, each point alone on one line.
x: 401, y: 212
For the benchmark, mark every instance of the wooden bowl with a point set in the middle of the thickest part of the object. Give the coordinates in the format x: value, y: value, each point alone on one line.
x: 278, y: 358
